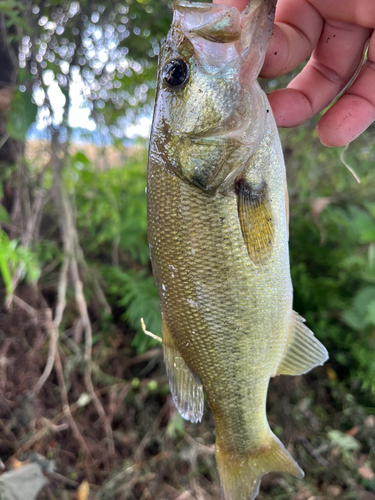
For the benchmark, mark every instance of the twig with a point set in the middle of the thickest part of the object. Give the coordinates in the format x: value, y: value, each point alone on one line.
x: 100, y: 295
x: 52, y: 333
x: 88, y: 349
x: 72, y: 248
x: 67, y: 481
x: 313, y: 452
x: 4, y: 139
x: 50, y: 267
x: 66, y: 408
x: 61, y: 292
x: 4, y: 359
x: 207, y: 450
x: 39, y: 435
x: 26, y: 307
x: 8, y: 432
x: 54, y: 427
x: 62, y: 479
x: 150, y: 432
x: 150, y: 334
x: 143, y: 357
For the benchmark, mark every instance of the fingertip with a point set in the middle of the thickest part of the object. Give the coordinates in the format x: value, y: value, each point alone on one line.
x: 345, y: 121
x: 277, y: 53
x: 290, y: 107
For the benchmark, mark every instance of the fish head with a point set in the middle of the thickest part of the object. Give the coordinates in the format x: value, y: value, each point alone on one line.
x: 210, y: 113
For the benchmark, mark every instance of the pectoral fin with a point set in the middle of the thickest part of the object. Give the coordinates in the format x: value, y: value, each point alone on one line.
x: 303, y: 352
x: 255, y: 215
x: 186, y: 388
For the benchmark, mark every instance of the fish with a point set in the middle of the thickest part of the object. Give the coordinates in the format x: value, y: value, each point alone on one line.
x: 217, y: 208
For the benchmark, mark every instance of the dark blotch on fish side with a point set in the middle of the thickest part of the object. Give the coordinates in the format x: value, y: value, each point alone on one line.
x: 254, y: 194
x: 256, y: 221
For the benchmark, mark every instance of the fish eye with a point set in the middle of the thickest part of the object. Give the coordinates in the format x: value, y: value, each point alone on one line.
x: 176, y: 72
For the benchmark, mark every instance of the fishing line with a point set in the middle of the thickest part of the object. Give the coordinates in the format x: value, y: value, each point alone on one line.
x: 351, y: 170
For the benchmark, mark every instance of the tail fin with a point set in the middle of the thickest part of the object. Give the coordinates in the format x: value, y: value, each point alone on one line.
x: 240, y: 474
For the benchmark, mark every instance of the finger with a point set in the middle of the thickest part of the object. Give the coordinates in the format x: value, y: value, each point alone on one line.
x: 332, y: 64
x: 296, y: 32
x: 355, y: 110
x: 239, y: 4
x: 360, y: 12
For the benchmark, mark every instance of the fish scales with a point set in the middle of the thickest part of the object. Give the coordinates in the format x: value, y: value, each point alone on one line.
x: 217, y: 222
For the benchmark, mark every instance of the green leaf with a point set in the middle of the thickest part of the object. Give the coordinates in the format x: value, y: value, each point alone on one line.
x: 343, y: 441
x: 4, y: 216
x: 371, y: 313
x: 21, y: 116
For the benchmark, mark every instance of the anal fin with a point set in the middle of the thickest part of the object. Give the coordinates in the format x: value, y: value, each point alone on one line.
x: 303, y: 352
x: 186, y: 388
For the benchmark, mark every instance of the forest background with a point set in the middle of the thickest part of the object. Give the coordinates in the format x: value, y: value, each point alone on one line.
x: 83, y: 391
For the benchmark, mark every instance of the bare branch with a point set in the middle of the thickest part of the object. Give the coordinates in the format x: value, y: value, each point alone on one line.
x: 52, y: 333
x: 150, y: 334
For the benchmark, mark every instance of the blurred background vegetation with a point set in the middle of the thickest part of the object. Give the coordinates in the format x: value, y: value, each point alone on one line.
x: 83, y: 392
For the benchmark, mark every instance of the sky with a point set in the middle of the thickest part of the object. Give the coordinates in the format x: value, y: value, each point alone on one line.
x: 79, y: 112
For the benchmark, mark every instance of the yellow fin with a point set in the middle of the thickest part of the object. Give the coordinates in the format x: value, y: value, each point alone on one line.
x: 256, y: 222
x: 240, y: 474
x: 186, y: 388
x: 303, y: 351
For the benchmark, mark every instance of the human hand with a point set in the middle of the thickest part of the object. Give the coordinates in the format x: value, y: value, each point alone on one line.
x: 335, y: 33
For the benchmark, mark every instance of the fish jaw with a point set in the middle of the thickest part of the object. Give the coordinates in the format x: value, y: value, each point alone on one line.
x: 219, y: 107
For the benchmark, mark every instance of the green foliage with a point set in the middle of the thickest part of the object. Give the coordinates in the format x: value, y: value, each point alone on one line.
x: 332, y: 249
x: 346, y: 444
x: 13, y: 255
x: 176, y: 426
x: 21, y: 116
x: 14, y: 11
x: 111, y: 206
x: 112, y: 222
x: 135, y: 292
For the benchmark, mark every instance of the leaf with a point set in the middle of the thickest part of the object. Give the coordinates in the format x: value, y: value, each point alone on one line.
x: 21, y: 116
x: 4, y: 267
x: 362, y: 311
x: 371, y: 313
x: 4, y: 216
x: 366, y: 473
x: 344, y: 442
x: 83, y: 491
x: 83, y: 400
x: 81, y: 158
x: 22, y: 483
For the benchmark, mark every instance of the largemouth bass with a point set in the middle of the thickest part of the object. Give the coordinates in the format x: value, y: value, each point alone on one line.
x: 218, y: 235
